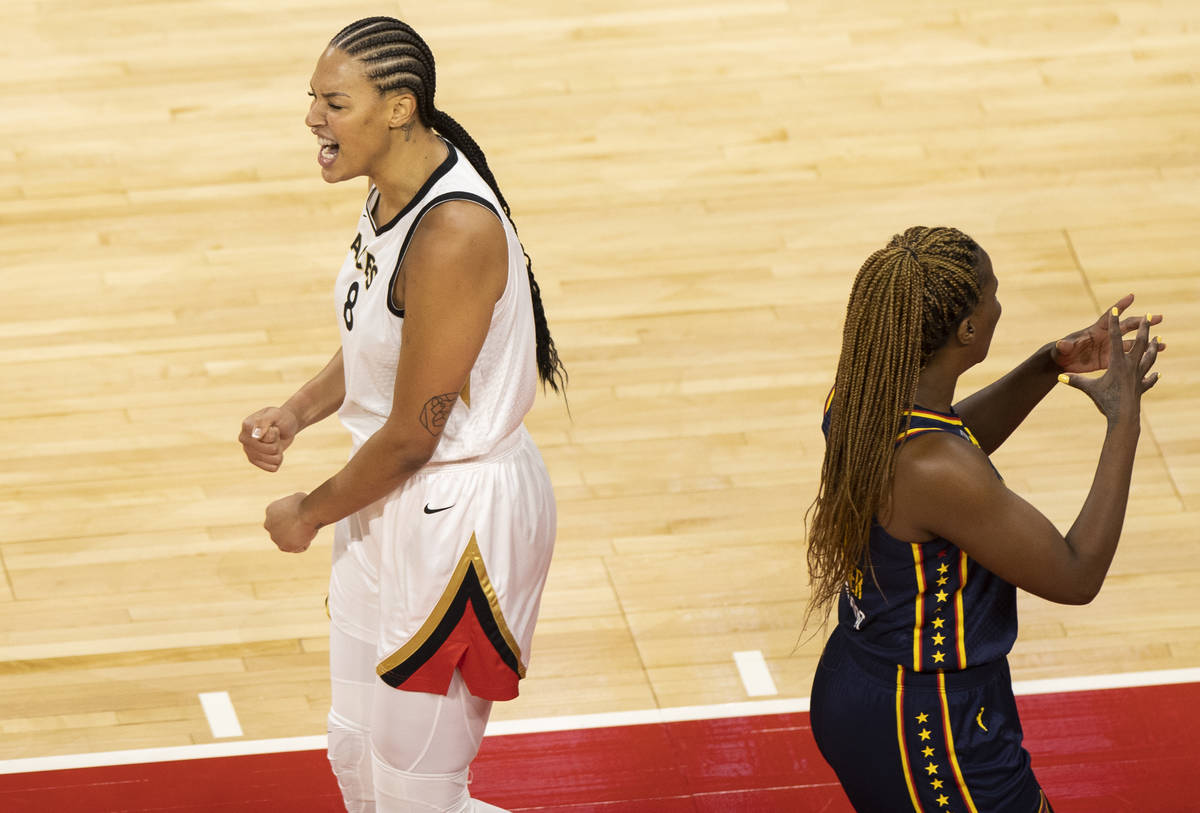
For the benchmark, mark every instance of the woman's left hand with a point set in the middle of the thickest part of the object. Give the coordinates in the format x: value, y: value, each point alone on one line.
x: 289, y: 532
x: 1089, y: 349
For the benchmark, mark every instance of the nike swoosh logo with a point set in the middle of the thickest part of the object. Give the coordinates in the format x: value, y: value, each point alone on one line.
x: 429, y: 510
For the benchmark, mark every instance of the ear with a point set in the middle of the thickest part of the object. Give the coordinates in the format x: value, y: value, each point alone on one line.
x: 402, y: 109
x: 966, y: 332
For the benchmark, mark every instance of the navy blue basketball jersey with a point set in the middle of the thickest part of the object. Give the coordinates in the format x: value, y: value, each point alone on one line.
x: 927, y: 605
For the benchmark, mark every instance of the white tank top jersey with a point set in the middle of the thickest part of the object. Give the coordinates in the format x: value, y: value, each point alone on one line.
x: 487, y: 416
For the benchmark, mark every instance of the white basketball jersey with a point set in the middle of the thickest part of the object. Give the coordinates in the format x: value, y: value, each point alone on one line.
x: 502, y: 383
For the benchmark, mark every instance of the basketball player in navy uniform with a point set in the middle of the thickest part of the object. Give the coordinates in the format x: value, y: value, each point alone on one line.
x: 916, y: 536
x: 444, y: 515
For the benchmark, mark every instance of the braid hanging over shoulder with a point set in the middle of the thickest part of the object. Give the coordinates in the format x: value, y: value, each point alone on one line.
x: 905, y: 302
x: 395, y: 58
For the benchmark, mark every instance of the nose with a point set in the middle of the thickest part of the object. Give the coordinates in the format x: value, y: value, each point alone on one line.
x: 311, y: 119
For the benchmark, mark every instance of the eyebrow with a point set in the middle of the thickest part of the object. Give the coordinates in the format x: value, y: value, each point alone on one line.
x: 331, y: 93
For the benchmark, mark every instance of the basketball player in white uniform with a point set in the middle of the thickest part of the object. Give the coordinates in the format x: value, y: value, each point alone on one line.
x: 445, y: 518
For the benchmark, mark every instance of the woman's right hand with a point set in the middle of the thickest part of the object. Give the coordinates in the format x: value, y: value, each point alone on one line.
x: 1118, y: 392
x: 266, y: 434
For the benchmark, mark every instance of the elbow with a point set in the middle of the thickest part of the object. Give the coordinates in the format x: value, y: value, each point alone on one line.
x: 404, y: 455
x: 1083, y: 590
x: 1080, y: 596
x: 407, y: 460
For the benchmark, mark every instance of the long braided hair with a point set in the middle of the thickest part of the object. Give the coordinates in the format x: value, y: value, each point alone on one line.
x: 907, y: 299
x: 396, y: 58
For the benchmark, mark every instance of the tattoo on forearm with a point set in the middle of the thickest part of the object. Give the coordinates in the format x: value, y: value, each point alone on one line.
x: 436, y: 412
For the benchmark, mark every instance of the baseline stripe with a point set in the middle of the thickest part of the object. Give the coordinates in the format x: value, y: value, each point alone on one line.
x: 537, y: 725
x: 756, y: 677
x: 222, y: 719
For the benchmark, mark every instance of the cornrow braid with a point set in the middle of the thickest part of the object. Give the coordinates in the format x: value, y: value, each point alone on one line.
x: 906, y: 301
x: 396, y: 58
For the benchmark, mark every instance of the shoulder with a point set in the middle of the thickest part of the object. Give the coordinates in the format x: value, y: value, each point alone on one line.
x: 458, y: 245
x: 458, y: 223
x: 943, y: 461
x: 936, y: 473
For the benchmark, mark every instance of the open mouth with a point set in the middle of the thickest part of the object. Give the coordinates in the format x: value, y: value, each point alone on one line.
x: 328, y: 151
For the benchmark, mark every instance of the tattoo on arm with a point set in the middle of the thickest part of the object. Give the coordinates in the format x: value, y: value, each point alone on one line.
x: 436, y: 412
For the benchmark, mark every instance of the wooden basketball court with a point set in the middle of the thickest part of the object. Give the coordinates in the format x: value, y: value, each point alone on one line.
x: 697, y: 183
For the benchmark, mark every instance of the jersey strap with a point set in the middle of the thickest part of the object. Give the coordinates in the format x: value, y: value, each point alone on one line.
x: 925, y: 420
x: 439, y: 200
x: 918, y: 420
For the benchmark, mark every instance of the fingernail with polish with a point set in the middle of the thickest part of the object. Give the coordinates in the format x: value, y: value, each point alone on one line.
x: 1063, y: 378
x: 257, y: 433
x: 1115, y: 312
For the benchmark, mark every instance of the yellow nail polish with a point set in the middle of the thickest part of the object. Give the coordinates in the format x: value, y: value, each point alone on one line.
x: 1115, y: 312
x: 1064, y: 378
x: 1149, y: 316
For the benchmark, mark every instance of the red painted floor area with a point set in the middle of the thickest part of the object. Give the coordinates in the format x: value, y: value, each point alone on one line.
x: 1111, y: 751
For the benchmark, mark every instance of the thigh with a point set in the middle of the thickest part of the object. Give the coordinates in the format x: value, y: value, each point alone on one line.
x: 984, y: 744
x: 461, y: 576
x: 352, y: 678
x: 353, y: 601
x: 915, y: 742
x: 430, y: 734
x: 853, y: 716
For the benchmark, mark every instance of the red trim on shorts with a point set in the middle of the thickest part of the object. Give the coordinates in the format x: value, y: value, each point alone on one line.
x: 468, y: 649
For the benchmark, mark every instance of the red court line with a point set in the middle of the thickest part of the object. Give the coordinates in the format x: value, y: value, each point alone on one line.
x: 1106, y: 751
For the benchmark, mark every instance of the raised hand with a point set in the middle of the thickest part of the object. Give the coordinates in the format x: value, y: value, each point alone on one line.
x: 1127, y: 364
x: 266, y: 434
x: 1089, y: 349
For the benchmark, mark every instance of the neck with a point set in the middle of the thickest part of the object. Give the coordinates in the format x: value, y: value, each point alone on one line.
x: 405, y: 169
x: 935, y: 387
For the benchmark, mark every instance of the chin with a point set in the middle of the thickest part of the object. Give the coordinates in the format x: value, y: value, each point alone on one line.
x: 333, y: 175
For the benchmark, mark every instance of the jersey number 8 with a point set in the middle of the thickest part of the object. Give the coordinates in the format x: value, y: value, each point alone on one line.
x: 348, y: 308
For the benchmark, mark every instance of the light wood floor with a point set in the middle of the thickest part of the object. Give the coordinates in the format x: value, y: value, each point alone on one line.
x: 697, y: 182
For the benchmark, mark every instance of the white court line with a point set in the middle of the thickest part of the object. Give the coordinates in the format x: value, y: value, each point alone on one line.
x: 756, y: 677
x: 752, y: 708
x: 222, y: 719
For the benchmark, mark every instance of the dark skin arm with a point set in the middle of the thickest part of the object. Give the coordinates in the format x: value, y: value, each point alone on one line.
x: 944, y: 487
x: 995, y: 411
x: 454, y: 272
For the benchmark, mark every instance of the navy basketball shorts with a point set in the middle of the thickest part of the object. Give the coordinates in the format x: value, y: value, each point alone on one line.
x: 945, y: 742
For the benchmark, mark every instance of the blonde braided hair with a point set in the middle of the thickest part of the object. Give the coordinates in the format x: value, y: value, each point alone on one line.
x: 907, y: 299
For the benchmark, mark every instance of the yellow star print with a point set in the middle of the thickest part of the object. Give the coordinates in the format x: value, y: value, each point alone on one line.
x: 938, y: 622
x: 938, y: 638
x: 931, y: 768
x: 943, y: 800
x: 937, y: 784
x: 927, y: 752
x: 941, y: 595
x: 942, y: 568
x: 942, y: 581
x: 938, y: 657
x: 925, y: 734
x: 922, y: 717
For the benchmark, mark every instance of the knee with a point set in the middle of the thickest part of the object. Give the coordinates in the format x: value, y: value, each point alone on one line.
x: 399, y: 791
x: 350, y: 758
